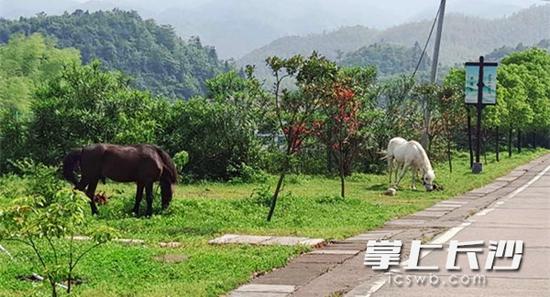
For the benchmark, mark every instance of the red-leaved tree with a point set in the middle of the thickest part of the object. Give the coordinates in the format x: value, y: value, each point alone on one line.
x: 296, y: 108
x: 339, y: 128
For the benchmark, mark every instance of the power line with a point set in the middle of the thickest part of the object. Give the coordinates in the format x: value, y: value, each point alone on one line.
x: 427, y: 43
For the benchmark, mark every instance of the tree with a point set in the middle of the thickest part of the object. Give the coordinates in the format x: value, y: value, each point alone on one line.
x: 514, y: 95
x: 449, y: 117
x: 25, y: 64
x: 45, y: 228
x: 296, y: 109
x: 84, y: 105
x: 219, y: 138
x: 533, y: 69
x: 153, y: 55
x: 341, y: 123
x: 389, y: 59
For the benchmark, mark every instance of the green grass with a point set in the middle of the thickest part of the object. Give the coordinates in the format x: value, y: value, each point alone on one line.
x: 309, y: 207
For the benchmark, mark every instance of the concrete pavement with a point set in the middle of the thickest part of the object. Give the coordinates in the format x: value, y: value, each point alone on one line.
x: 513, y: 207
x: 524, y: 214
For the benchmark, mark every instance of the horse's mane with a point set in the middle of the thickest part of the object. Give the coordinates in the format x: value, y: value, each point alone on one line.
x: 424, y: 155
x: 169, y: 165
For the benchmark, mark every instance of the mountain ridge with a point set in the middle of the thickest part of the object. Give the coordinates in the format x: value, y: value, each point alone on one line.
x: 464, y: 37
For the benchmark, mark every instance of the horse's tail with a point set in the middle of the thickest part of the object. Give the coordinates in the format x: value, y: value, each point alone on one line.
x: 70, y: 162
x: 168, y: 178
x: 385, y: 155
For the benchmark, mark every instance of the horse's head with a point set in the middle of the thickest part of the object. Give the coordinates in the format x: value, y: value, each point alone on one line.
x: 428, y: 180
x: 167, y: 190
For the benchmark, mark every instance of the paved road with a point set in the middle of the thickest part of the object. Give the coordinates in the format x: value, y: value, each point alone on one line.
x: 513, y: 207
x: 523, y: 214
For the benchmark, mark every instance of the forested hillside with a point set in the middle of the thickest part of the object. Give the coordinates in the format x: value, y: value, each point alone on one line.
x: 388, y: 59
x: 152, y: 55
x: 25, y: 64
x: 464, y: 37
x: 499, y: 53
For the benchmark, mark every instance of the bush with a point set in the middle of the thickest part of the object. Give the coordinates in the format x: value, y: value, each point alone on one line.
x: 87, y: 105
x: 261, y: 196
x: 44, y: 227
x: 248, y: 174
x: 13, y: 137
x: 181, y: 159
x: 214, y: 137
x: 40, y: 180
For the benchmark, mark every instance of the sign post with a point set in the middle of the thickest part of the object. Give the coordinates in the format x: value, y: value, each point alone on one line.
x: 481, y: 82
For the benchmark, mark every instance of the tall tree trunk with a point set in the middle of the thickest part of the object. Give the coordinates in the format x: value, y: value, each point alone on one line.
x: 510, y: 141
x: 54, y: 288
x: 329, y: 160
x: 497, y: 148
x: 276, y: 195
x: 342, y: 173
x: 484, y: 146
x: 284, y: 170
x: 449, y: 155
x: 519, y: 141
x: 342, y: 185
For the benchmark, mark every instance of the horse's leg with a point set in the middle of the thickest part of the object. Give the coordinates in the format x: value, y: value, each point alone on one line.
x: 402, y: 172
x: 390, y: 167
x: 414, y: 173
x: 149, y: 197
x: 396, y: 170
x: 90, y: 192
x: 139, y: 196
x: 398, y: 167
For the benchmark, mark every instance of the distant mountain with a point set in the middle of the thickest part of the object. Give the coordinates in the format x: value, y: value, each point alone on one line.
x: 332, y: 45
x: 236, y: 27
x: 464, y: 37
x: 153, y: 55
x: 388, y: 59
x: 499, y: 53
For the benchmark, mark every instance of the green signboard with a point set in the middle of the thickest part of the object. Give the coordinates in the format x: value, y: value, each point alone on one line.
x: 489, y: 83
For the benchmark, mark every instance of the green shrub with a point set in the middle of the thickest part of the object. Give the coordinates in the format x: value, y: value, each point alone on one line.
x: 39, y: 180
x: 44, y: 228
x: 261, y: 196
x: 248, y: 174
x: 214, y: 135
x: 181, y: 159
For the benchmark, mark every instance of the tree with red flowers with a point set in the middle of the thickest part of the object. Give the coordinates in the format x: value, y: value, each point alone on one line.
x: 341, y: 123
x: 296, y: 108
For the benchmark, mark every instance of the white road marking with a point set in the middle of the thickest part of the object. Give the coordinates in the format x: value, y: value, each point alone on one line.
x: 522, y: 188
x: 484, y: 212
x: 377, y: 285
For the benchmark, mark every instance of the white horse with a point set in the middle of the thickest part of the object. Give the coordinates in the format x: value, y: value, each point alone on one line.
x: 401, y: 155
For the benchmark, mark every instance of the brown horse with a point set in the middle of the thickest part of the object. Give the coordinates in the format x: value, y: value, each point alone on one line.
x: 143, y: 164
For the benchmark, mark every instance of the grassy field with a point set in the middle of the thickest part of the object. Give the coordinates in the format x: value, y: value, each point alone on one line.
x: 309, y: 207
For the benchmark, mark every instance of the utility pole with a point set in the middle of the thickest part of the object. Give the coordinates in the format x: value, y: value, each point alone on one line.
x: 438, y: 40
x: 427, y: 114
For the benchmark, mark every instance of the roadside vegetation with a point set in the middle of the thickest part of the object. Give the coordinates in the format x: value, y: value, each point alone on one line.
x: 309, y: 206
x: 301, y: 157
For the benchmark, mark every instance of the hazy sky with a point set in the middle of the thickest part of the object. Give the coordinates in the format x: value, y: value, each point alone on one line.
x: 237, y: 26
x: 396, y: 11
